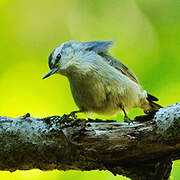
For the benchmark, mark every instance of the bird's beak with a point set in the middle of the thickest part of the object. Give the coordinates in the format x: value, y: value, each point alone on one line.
x: 52, y: 71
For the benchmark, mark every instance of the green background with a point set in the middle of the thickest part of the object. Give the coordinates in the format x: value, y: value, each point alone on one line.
x: 147, y: 35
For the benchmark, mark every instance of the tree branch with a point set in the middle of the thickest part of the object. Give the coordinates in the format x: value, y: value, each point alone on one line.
x: 139, y: 150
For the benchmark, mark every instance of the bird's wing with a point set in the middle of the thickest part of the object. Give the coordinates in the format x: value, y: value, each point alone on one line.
x: 120, y: 67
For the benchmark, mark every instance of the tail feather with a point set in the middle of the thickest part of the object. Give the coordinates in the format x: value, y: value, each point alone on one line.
x: 152, y: 98
x: 155, y: 107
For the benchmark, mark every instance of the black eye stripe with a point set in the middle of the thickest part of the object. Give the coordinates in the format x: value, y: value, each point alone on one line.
x: 50, y: 60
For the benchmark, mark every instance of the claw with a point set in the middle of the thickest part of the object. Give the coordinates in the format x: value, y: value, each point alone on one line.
x: 72, y: 114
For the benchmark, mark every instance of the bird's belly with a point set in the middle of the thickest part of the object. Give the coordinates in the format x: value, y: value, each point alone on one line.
x: 89, y: 96
x: 105, y: 96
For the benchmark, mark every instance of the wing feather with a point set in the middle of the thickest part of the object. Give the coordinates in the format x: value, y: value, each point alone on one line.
x: 120, y: 67
x: 101, y: 48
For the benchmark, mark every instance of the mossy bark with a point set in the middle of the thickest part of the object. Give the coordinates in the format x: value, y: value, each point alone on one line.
x: 142, y: 150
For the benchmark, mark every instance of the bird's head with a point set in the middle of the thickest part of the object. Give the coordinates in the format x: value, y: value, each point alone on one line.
x: 69, y: 51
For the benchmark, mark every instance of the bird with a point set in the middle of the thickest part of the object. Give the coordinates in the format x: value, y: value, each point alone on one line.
x: 99, y: 83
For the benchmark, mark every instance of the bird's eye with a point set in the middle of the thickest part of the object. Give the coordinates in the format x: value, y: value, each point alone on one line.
x: 58, y: 56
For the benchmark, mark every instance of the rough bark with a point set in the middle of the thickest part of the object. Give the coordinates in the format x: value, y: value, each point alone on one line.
x: 142, y: 150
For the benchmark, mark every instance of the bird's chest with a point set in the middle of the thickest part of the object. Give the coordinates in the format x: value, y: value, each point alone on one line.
x: 88, y: 92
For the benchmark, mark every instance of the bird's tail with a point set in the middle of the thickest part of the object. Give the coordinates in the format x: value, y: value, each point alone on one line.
x: 154, y: 106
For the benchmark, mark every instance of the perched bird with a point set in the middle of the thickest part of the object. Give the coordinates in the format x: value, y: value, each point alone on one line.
x: 99, y: 82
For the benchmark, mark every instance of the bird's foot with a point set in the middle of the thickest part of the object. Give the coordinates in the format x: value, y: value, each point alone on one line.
x: 25, y: 116
x: 128, y: 120
x: 72, y: 114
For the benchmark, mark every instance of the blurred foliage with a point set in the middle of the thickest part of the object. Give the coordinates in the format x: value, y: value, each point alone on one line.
x: 147, y: 40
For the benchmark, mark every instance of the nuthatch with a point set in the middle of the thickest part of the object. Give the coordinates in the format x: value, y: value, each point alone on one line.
x: 99, y: 82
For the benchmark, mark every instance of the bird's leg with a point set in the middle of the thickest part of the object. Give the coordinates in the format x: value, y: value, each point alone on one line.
x: 126, y: 118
